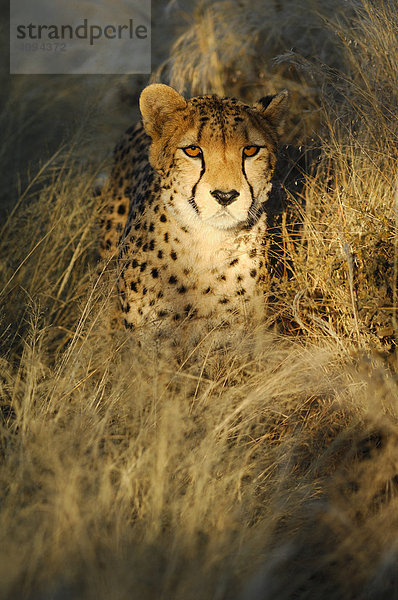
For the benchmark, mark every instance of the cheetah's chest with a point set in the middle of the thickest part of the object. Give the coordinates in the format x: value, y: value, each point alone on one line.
x: 179, y: 273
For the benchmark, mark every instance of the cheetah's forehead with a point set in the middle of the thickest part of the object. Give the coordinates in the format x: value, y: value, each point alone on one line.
x: 223, y: 120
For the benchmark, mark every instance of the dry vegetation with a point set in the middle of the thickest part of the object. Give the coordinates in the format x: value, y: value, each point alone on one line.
x: 265, y: 467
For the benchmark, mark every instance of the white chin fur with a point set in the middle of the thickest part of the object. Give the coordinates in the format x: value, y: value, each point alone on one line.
x: 223, y: 220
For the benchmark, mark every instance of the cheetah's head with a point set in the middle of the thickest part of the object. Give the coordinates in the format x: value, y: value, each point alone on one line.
x: 215, y: 156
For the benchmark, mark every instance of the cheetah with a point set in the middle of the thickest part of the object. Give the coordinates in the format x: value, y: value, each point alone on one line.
x: 186, y: 215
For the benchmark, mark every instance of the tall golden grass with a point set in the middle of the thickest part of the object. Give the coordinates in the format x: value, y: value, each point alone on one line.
x: 261, y: 467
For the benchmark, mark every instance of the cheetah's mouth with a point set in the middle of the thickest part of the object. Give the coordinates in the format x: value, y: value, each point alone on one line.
x: 223, y: 219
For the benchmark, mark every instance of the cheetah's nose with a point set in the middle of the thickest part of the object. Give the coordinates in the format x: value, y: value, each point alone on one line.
x: 225, y: 198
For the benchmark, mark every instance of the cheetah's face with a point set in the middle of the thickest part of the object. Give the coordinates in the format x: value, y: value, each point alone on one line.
x: 216, y: 156
x: 225, y: 182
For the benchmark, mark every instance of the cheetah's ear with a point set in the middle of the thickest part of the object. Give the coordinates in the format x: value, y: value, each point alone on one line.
x: 274, y: 109
x: 157, y: 103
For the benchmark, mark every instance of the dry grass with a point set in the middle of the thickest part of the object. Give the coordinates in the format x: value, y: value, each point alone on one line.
x: 261, y: 467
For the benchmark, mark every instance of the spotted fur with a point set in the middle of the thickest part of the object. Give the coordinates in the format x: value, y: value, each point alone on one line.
x: 189, y: 232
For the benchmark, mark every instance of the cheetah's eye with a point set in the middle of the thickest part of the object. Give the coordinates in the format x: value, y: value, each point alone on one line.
x: 251, y: 150
x: 193, y: 151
